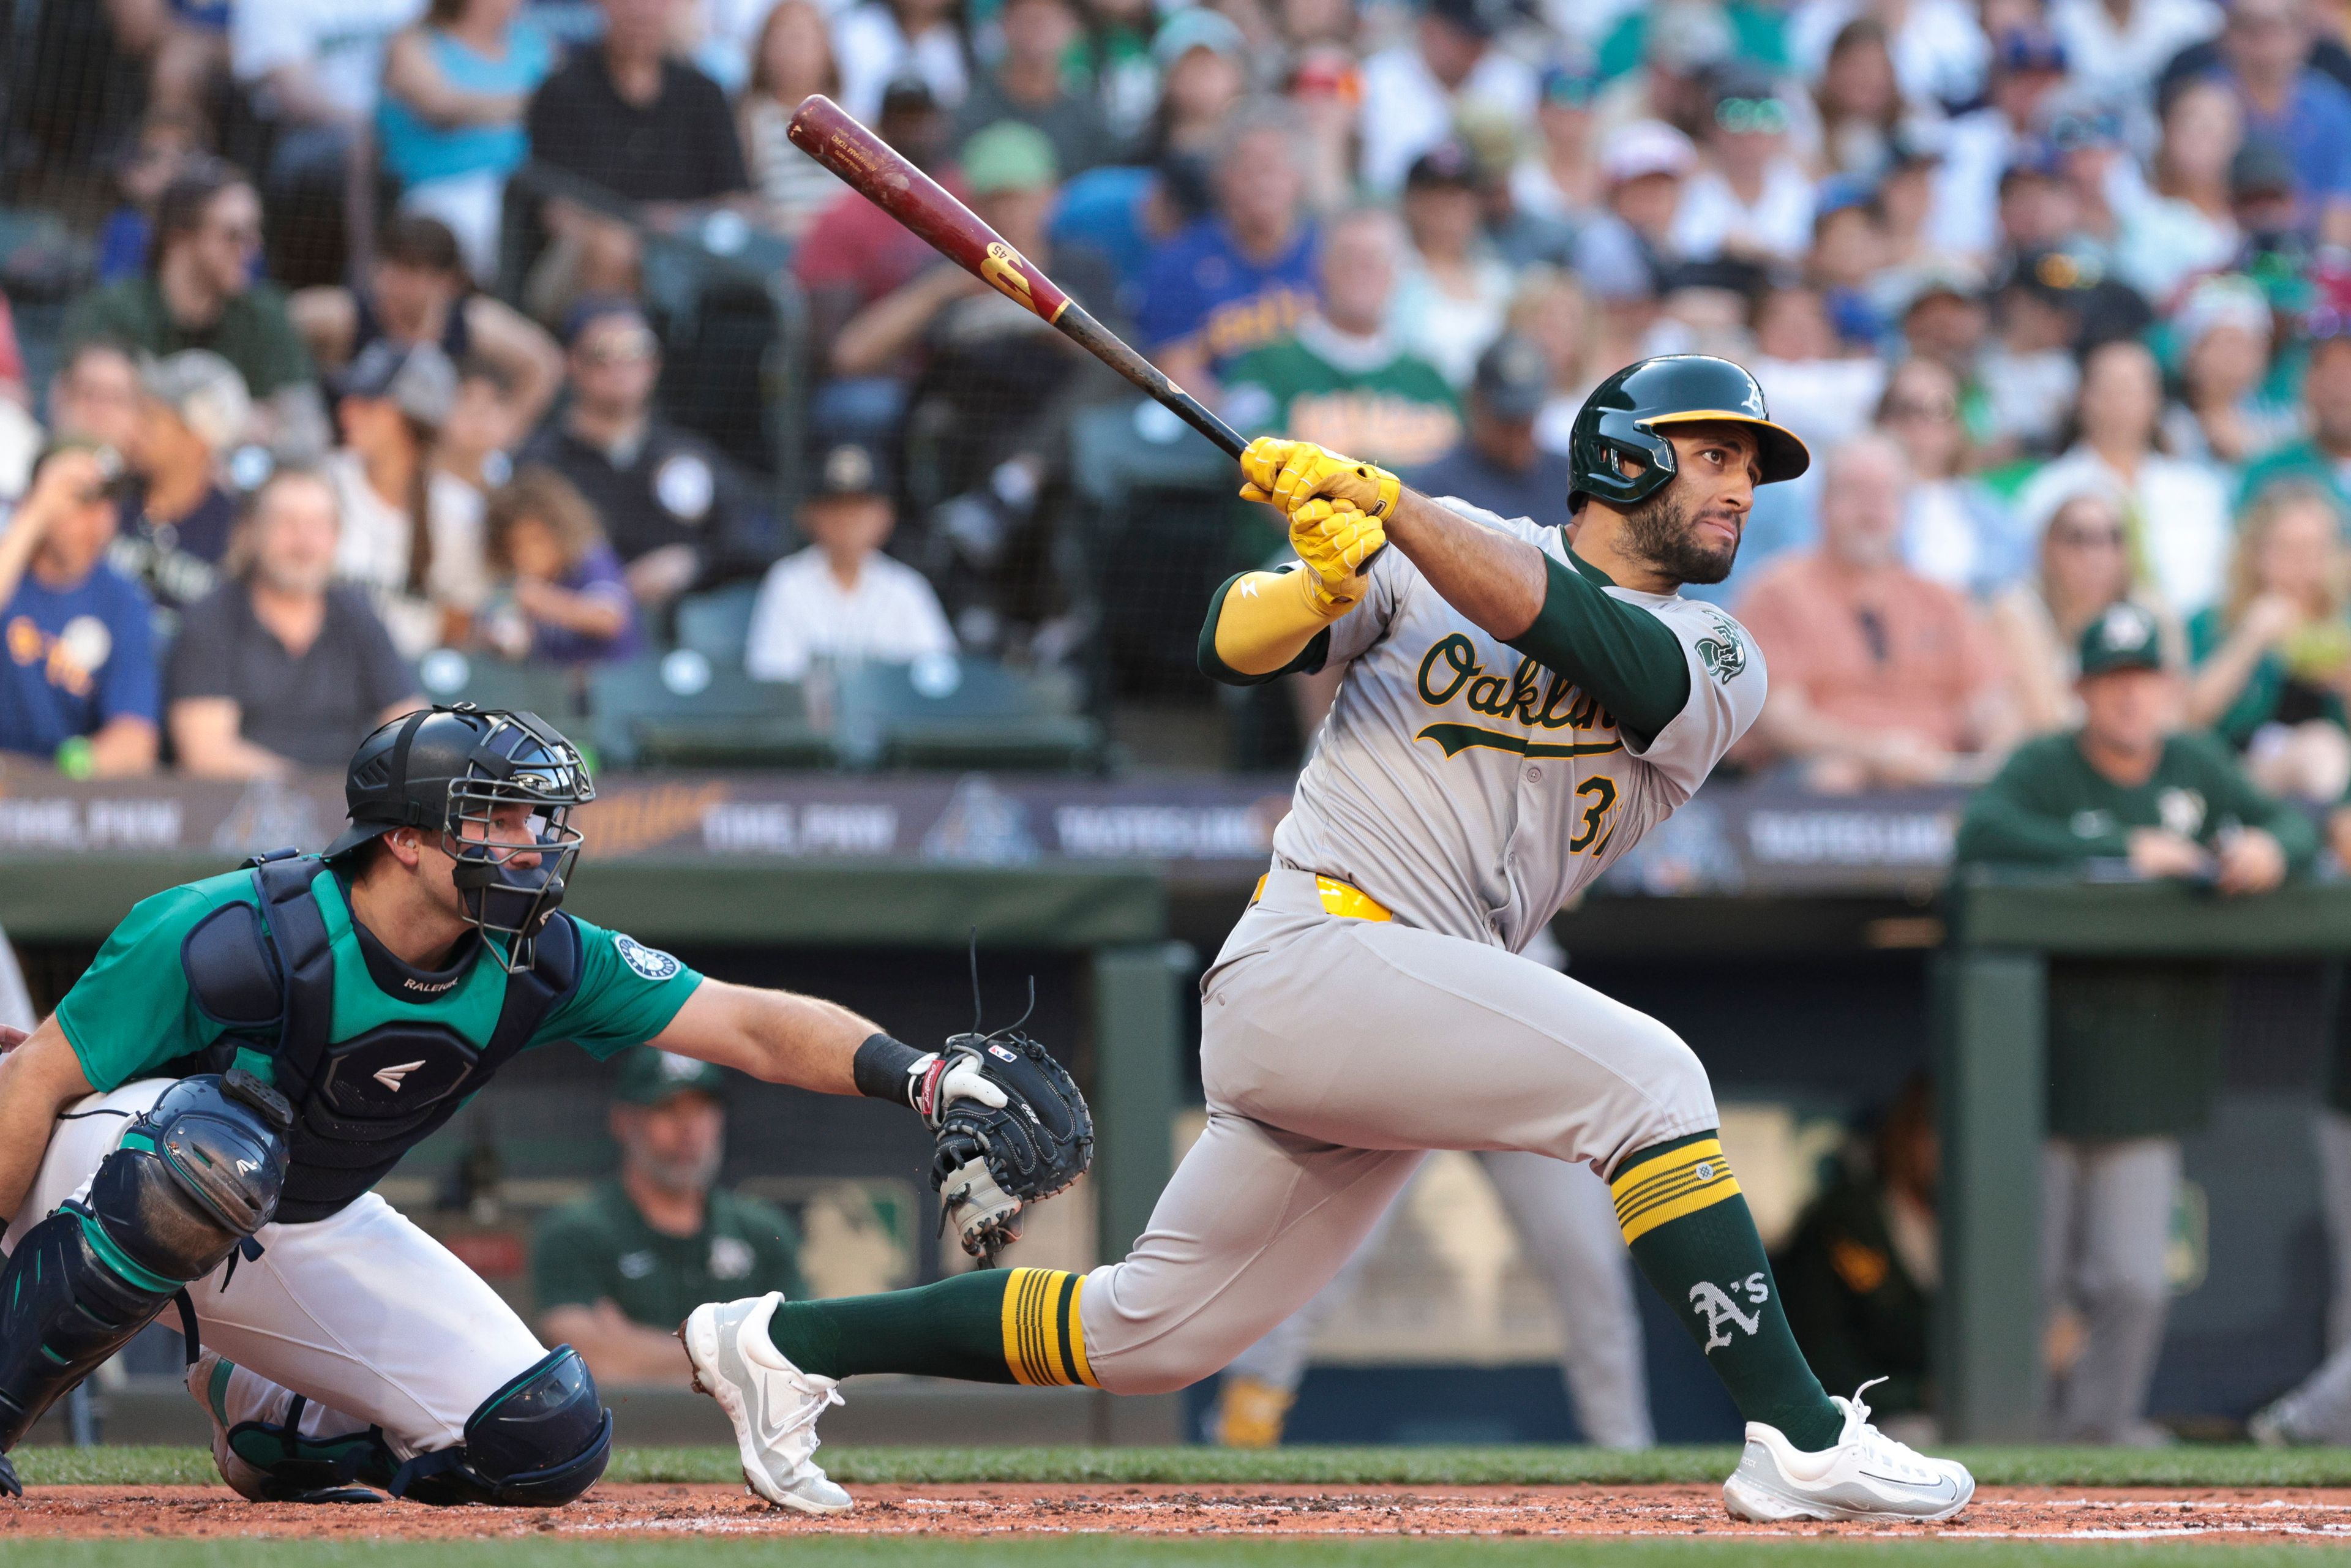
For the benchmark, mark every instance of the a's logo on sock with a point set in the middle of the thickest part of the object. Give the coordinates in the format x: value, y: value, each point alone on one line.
x: 1713, y: 1304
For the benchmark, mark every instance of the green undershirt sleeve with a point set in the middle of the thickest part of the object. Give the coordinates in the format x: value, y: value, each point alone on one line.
x: 1310, y: 658
x: 1617, y: 652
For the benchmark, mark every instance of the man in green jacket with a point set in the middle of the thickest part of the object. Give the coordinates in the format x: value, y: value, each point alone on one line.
x: 2134, y: 1045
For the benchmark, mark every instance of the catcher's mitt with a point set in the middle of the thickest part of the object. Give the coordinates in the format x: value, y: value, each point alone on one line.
x: 992, y: 1162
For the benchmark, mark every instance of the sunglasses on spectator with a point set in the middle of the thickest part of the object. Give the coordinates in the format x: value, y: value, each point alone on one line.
x: 2088, y: 539
x: 244, y: 235
x: 621, y: 348
x: 1940, y: 409
x: 1751, y: 115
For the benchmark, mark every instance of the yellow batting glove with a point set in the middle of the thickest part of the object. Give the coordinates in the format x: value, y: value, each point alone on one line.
x: 1336, y: 541
x: 1291, y: 473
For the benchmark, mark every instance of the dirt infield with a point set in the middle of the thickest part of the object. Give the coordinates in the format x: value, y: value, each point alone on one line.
x: 1999, y: 1513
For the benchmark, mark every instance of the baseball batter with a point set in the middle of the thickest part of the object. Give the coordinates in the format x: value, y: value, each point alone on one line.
x: 1516, y: 710
x: 205, y: 1116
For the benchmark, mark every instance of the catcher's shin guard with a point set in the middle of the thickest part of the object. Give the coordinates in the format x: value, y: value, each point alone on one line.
x: 195, y: 1175
x: 539, y: 1442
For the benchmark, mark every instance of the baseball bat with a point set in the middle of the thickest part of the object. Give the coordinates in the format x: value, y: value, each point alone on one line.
x: 826, y: 132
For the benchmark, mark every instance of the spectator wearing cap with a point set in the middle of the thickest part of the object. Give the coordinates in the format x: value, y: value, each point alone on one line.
x: 456, y: 88
x: 1244, y: 275
x: 419, y: 292
x: 1560, y: 178
x: 411, y: 534
x: 557, y: 594
x: 1499, y: 464
x: 1450, y: 300
x: 2134, y: 1045
x: 2227, y: 414
x: 1414, y: 89
x: 1345, y: 381
x: 1938, y: 47
x: 2028, y: 374
x: 2028, y: 66
x: 2120, y: 47
x: 2265, y: 57
x: 1751, y: 200
x: 1622, y: 254
x: 279, y: 668
x: 626, y: 114
x: 1675, y: 44
x: 675, y: 511
x: 175, y: 524
x: 2178, y: 510
x: 841, y: 598
x: 616, y: 1272
x: 2183, y: 220
x: 1878, y: 675
x: 2323, y: 452
x: 76, y: 641
x: 883, y: 42
x: 199, y: 293
x: 1029, y: 85
x: 1204, y: 63
x: 855, y: 253
x: 2274, y: 658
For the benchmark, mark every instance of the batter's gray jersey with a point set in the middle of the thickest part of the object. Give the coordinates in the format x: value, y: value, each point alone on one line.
x: 1473, y: 791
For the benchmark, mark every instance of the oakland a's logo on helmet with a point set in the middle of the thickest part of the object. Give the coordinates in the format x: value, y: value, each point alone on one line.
x: 1724, y: 654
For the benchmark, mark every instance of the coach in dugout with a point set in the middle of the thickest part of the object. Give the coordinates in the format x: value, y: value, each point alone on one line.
x: 618, y: 1270
x: 2134, y: 1044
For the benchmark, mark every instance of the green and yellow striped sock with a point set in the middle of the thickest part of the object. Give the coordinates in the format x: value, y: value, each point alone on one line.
x: 1689, y: 1229
x: 1015, y: 1325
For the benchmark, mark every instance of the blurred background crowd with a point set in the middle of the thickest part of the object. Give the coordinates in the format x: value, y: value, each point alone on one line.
x: 363, y: 330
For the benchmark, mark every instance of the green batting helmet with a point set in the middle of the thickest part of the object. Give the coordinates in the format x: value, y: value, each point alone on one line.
x: 1621, y: 415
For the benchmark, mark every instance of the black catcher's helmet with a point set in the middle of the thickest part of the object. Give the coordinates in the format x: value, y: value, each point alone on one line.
x: 1621, y: 415
x: 439, y: 768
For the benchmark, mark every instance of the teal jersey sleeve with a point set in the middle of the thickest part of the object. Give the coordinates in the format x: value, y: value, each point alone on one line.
x: 131, y: 1010
x: 627, y: 994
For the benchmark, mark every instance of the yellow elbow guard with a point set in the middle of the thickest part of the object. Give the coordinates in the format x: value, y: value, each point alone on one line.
x: 1269, y: 617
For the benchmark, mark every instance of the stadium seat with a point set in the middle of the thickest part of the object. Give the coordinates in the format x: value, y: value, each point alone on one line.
x: 683, y: 708
x: 716, y: 625
x: 550, y: 691
x: 946, y: 711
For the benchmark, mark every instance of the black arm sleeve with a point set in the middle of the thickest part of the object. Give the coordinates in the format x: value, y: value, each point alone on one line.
x: 1310, y: 658
x: 1618, y: 653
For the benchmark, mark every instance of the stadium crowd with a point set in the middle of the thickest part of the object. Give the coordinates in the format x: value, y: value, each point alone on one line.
x: 2057, y: 289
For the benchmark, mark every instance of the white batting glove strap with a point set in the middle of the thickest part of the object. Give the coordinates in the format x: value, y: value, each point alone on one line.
x: 933, y: 1081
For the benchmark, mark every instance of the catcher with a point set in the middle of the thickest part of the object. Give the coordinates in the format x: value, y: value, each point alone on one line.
x: 205, y: 1114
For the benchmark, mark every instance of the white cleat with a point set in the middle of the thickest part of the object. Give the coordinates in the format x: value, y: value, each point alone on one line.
x: 1867, y: 1475
x: 772, y: 1404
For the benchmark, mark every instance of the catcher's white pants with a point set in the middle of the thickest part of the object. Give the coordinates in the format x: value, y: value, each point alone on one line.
x: 1567, y: 1222
x: 1334, y: 1051
x: 362, y: 1313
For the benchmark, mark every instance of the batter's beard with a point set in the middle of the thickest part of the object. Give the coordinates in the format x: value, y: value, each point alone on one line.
x: 1662, y: 532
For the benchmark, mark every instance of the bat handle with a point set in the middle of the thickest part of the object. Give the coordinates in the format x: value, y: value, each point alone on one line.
x: 1076, y: 324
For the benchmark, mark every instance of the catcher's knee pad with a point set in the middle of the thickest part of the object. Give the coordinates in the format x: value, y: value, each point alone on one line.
x: 539, y: 1442
x: 195, y: 1175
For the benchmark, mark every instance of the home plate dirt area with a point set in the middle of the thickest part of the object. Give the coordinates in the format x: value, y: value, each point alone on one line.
x: 2051, y: 1514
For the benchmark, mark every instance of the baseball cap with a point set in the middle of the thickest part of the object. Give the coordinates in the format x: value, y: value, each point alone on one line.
x: 204, y: 389
x: 2030, y: 50
x: 2055, y: 275
x: 1683, y: 37
x: 419, y: 381
x: 850, y: 468
x: 1197, y: 27
x: 908, y: 95
x: 648, y: 1077
x: 1448, y: 164
x: 1944, y: 276
x: 1479, y: 18
x: 1512, y: 379
x: 1009, y: 156
x: 2123, y: 637
x: 1645, y: 147
x: 2224, y: 299
x: 1569, y: 86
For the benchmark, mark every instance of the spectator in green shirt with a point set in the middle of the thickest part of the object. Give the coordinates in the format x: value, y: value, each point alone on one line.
x: 2134, y: 1044
x: 199, y: 292
x: 617, y: 1271
x: 2323, y: 454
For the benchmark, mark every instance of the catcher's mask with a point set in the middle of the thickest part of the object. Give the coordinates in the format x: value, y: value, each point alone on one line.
x: 457, y: 771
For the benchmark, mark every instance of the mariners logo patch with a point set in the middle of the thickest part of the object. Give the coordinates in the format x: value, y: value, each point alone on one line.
x: 651, y: 962
x: 1721, y: 1311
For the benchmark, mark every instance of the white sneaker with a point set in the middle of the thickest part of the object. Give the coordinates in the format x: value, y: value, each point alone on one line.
x: 1867, y: 1475
x: 772, y: 1404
